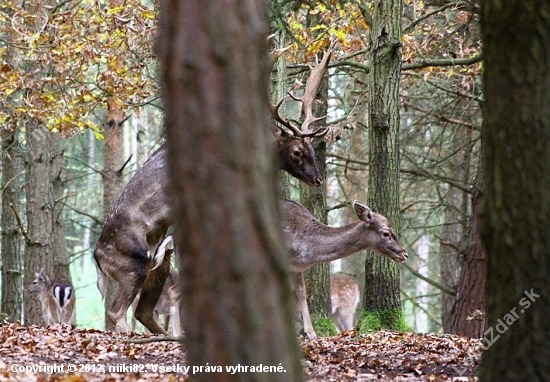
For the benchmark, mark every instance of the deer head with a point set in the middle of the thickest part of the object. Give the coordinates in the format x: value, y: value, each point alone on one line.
x: 56, y: 298
x: 293, y: 146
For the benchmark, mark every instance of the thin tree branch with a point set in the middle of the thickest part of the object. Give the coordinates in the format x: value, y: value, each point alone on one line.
x: 20, y: 224
x: 443, y: 62
x: 95, y: 219
x: 429, y: 281
x: 124, y: 164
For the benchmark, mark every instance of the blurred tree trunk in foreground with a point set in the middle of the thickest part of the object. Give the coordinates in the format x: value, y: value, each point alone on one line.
x: 232, y: 256
x: 515, y: 225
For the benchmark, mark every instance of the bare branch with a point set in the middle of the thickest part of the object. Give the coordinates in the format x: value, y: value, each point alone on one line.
x: 444, y: 62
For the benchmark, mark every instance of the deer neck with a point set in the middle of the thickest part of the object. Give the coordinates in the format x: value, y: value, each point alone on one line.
x: 323, y: 244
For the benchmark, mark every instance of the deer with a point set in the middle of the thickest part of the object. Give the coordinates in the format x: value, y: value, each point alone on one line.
x: 344, y: 298
x: 168, y: 305
x: 311, y: 242
x: 56, y: 298
x: 127, y: 250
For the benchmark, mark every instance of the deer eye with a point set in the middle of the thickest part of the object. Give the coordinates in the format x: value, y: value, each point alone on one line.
x: 297, y: 153
x: 386, y: 234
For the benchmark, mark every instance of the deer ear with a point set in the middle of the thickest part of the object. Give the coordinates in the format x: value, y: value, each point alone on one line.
x: 280, y: 134
x: 275, y: 131
x: 363, y: 212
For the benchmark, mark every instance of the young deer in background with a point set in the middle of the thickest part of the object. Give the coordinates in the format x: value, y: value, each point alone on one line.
x: 56, y: 297
x: 311, y: 242
x: 128, y: 247
x: 344, y: 297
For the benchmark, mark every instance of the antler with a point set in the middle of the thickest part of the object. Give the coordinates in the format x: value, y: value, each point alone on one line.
x: 312, y: 87
x: 274, y: 109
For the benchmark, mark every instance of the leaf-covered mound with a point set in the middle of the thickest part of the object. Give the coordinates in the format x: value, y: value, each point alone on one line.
x: 46, y: 354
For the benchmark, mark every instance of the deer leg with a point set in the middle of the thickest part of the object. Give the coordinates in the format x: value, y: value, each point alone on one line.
x: 124, y: 297
x: 166, y: 321
x: 176, y: 319
x: 300, y: 290
x: 149, y: 297
x: 134, y: 305
x: 347, y: 319
x: 130, y: 277
x: 339, y: 321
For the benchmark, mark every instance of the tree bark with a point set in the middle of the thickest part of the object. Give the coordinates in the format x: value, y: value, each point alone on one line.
x: 236, y: 289
x: 113, y: 182
x: 61, y: 260
x: 469, y: 317
x: 279, y: 92
x: 12, y: 277
x: 42, y: 228
x: 382, y: 295
x: 450, y: 259
x: 317, y: 278
x: 12, y: 224
x: 515, y: 220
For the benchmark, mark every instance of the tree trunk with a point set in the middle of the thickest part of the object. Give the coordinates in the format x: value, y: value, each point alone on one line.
x: 515, y: 224
x: 278, y: 92
x: 113, y: 182
x: 42, y: 242
x: 236, y: 289
x: 382, y: 296
x: 449, y: 256
x: 469, y: 316
x: 317, y: 278
x: 12, y: 277
x: 61, y: 260
x: 12, y: 224
x: 453, y: 236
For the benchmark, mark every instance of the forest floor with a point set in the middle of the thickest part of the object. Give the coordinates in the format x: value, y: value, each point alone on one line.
x: 61, y: 353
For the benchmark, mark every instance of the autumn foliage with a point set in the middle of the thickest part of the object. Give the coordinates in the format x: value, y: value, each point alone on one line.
x: 61, y: 64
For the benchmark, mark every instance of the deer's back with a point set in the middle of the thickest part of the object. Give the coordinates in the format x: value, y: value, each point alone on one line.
x: 141, y: 215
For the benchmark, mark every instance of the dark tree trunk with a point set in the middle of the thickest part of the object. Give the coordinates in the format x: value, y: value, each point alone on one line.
x: 515, y: 222
x: 12, y: 245
x: 469, y: 317
x: 113, y: 181
x: 382, y: 295
x: 236, y: 293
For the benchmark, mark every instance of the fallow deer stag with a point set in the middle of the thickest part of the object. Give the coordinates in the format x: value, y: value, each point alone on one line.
x: 56, y: 298
x: 127, y: 249
x: 312, y: 242
x: 294, y: 149
x: 344, y: 297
